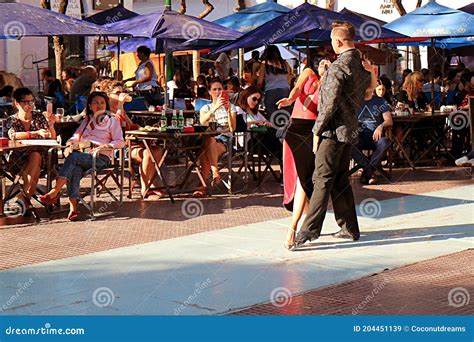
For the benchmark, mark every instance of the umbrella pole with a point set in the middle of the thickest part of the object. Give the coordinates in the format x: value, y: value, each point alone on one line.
x: 165, y: 66
x: 432, y: 83
x: 307, y: 48
x: 241, y: 63
x: 117, y: 77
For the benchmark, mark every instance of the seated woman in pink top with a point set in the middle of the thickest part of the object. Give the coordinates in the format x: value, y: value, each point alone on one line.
x: 103, y: 131
x: 138, y: 153
x: 298, y: 160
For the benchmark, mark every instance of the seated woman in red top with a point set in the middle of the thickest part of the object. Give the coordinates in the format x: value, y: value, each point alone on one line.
x: 298, y: 161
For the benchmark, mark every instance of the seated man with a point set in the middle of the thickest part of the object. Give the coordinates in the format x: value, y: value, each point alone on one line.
x: 374, y: 117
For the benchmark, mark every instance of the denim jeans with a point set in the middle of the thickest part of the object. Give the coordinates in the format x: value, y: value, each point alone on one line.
x: 74, y: 168
x: 366, y: 142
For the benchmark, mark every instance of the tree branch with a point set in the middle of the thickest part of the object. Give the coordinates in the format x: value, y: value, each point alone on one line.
x: 399, y: 6
x: 209, y: 9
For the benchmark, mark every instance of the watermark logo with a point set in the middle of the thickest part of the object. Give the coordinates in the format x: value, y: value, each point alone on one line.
x: 377, y: 288
x: 458, y: 120
x: 103, y: 119
x: 280, y: 297
x: 192, y: 208
x: 280, y: 118
x: 15, y: 208
x: 190, y: 300
x: 370, y: 30
x: 370, y: 207
x: 14, y: 30
x: 192, y: 30
x: 103, y: 297
x: 458, y: 297
x: 22, y: 287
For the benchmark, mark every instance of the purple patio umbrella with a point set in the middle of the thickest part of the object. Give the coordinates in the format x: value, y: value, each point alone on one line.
x: 21, y: 20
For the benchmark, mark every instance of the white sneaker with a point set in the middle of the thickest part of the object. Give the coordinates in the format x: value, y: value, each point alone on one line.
x: 470, y: 162
x: 463, y: 161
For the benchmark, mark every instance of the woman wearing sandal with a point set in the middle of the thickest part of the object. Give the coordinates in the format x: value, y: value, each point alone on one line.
x: 27, y: 124
x: 103, y: 131
x: 298, y: 145
x: 138, y: 153
x: 224, y: 114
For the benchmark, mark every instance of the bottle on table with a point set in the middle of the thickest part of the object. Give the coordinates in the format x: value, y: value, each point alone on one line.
x: 163, y: 121
x: 174, y: 119
x: 180, y: 119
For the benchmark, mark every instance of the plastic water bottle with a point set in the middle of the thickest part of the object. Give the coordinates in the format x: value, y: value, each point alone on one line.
x: 181, y: 119
x: 174, y: 120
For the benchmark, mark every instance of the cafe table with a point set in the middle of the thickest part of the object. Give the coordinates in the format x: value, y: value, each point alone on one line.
x: 426, y: 121
x: 188, y: 143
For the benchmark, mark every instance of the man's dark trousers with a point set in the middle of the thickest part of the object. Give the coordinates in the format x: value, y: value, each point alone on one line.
x: 329, y: 179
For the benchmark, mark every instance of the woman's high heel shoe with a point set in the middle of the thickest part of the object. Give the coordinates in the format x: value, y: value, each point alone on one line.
x: 290, y: 246
x: 48, y: 199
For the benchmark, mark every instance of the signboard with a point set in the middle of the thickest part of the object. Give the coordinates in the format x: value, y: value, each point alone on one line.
x: 387, y: 7
x: 73, y: 8
x: 105, y: 4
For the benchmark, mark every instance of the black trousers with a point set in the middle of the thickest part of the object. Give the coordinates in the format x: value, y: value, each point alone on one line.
x: 332, y: 163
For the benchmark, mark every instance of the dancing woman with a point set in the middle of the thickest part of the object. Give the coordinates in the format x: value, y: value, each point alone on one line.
x: 298, y: 164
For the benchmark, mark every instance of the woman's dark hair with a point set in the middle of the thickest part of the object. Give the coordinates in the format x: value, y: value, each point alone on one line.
x: 234, y: 81
x: 202, y: 92
x: 47, y: 73
x: 215, y: 80
x: 6, y: 91
x: 272, y: 54
x: 92, y: 95
x: 242, y: 102
x: 145, y: 50
x: 202, y: 78
x: 20, y: 94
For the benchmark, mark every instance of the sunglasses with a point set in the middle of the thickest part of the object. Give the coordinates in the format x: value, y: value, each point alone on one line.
x: 255, y: 99
x: 30, y: 103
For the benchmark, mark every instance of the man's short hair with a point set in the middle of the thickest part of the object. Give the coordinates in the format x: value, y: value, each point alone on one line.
x: 145, y: 50
x: 89, y: 70
x: 344, y: 30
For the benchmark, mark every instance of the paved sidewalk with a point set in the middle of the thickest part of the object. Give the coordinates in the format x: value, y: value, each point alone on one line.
x: 139, y: 222
x: 440, y: 286
x: 223, y: 270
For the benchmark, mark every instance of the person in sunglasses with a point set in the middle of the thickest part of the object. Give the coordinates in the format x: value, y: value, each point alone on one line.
x: 249, y: 101
x: 27, y: 124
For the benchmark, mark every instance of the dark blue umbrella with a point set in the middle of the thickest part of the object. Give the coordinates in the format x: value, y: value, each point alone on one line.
x: 434, y: 21
x: 170, y: 31
x: 469, y: 8
x: 253, y: 17
x: 166, y: 24
x: 362, y: 16
x: 309, y: 22
x: 20, y: 20
x: 110, y: 16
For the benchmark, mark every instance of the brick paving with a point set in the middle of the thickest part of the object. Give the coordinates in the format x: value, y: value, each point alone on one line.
x: 139, y: 222
x: 423, y: 288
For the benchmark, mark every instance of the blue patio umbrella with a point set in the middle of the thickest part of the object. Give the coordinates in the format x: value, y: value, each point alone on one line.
x: 171, y: 31
x: 309, y: 22
x: 112, y: 15
x: 434, y: 21
x: 21, y: 20
x: 253, y: 17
